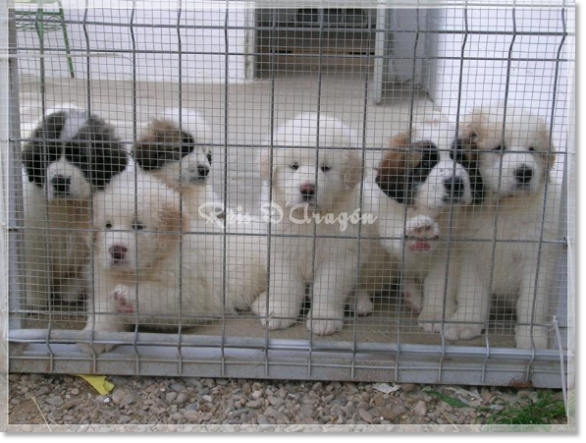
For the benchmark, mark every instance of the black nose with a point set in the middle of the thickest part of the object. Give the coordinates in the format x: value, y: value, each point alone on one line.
x: 454, y: 186
x: 203, y: 171
x: 524, y: 174
x: 118, y: 252
x: 307, y: 191
x: 61, y: 183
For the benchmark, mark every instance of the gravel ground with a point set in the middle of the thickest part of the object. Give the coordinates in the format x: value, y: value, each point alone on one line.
x: 35, y: 398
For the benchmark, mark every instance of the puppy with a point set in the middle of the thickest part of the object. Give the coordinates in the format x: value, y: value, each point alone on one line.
x: 421, y: 184
x: 515, y: 157
x: 310, y: 189
x: 176, y: 151
x: 70, y: 155
x: 154, y: 266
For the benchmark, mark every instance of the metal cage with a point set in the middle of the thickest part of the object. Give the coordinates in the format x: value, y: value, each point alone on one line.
x: 248, y: 68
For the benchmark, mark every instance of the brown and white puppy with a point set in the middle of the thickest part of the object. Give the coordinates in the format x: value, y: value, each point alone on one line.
x: 153, y: 268
x: 175, y: 148
x: 520, y: 210
x: 70, y: 155
x: 311, y: 190
x: 420, y: 187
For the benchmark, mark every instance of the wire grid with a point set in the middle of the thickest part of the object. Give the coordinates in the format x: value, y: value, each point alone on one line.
x: 251, y: 97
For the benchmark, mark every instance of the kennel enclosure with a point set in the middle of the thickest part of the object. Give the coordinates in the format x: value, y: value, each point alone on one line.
x: 248, y: 67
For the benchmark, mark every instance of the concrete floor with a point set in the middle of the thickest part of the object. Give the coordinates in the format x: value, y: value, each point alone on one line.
x: 249, y: 122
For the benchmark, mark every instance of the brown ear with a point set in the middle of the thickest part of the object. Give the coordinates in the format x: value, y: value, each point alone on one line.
x: 172, y: 222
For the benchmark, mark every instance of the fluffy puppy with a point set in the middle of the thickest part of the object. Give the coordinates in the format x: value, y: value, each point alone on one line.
x: 515, y: 157
x: 153, y: 265
x: 308, y: 184
x: 70, y: 155
x: 421, y: 184
x: 174, y: 147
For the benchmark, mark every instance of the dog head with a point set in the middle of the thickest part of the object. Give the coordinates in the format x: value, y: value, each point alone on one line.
x: 425, y: 169
x: 72, y: 153
x: 306, y: 177
x: 512, y: 162
x: 137, y: 223
x: 174, y: 153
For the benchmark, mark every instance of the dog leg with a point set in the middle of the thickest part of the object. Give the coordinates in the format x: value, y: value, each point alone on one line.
x: 412, y: 291
x: 360, y: 303
x: 286, y: 294
x: 473, y: 306
x: 437, y: 293
x: 331, y: 288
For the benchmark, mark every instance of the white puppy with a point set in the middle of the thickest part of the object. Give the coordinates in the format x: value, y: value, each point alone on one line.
x: 521, y: 203
x: 420, y: 185
x: 155, y: 266
x: 310, y: 184
x: 69, y: 155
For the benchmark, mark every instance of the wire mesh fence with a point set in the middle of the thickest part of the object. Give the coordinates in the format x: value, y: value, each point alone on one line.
x: 233, y: 190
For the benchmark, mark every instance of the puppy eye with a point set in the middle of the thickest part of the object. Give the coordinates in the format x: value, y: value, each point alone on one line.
x: 326, y: 168
x: 499, y: 148
x: 294, y: 166
x: 531, y: 148
x: 209, y: 157
x: 136, y: 226
x: 108, y: 225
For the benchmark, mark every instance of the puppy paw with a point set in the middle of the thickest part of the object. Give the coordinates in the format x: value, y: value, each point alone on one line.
x: 362, y: 306
x: 123, y: 299
x: 96, y: 348
x: 463, y: 331
x: 523, y: 337
x: 325, y: 326
x: 430, y: 321
x: 270, y: 319
x: 419, y: 231
x: 413, y: 299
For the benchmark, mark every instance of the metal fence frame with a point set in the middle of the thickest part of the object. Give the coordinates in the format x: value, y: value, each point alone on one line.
x: 48, y: 350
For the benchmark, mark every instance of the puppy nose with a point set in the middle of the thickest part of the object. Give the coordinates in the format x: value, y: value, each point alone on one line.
x: 118, y: 252
x: 524, y: 174
x: 454, y: 186
x: 203, y: 170
x: 61, y: 183
x: 307, y: 190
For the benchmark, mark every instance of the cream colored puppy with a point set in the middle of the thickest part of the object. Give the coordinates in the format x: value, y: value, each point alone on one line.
x: 311, y: 190
x: 155, y: 266
x: 521, y: 209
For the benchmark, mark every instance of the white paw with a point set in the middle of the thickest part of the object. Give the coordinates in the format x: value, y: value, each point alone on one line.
x: 462, y: 331
x: 418, y: 231
x: 325, y: 326
x: 362, y: 306
x: 123, y: 299
x: 71, y: 293
x: 97, y: 348
x: 430, y: 321
x: 271, y: 320
x: 523, y: 337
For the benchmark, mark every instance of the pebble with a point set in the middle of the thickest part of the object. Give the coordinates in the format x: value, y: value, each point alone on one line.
x: 365, y: 415
x: 127, y: 400
x: 55, y: 401
x: 192, y: 416
x: 177, y: 387
x: 408, y: 387
x: 192, y: 406
x: 171, y: 397
x: 420, y: 408
x: 43, y: 390
x: 74, y: 391
x: 182, y: 398
x: 118, y: 395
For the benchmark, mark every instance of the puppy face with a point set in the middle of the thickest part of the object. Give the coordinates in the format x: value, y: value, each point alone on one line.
x: 172, y: 155
x: 302, y: 179
x: 71, y: 154
x: 134, y: 235
x: 517, y: 163
x: 425, y: 168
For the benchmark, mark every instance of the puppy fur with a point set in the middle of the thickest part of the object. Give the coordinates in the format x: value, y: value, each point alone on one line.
x: 155, y: 267
x: 306, y: 181
x: 174, y: 147
x: 422, y: 182
x: 70, y: 155
x: 515, y: 163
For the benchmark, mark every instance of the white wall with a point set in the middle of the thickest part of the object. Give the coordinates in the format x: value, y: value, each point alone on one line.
x: 531, y: 82
x: 207, y: 66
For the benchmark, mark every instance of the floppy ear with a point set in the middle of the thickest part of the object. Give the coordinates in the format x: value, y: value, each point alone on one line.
x: 352, y: 170
x: 172, y: 223
x: 392, y: 175
x: 466, y: 153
